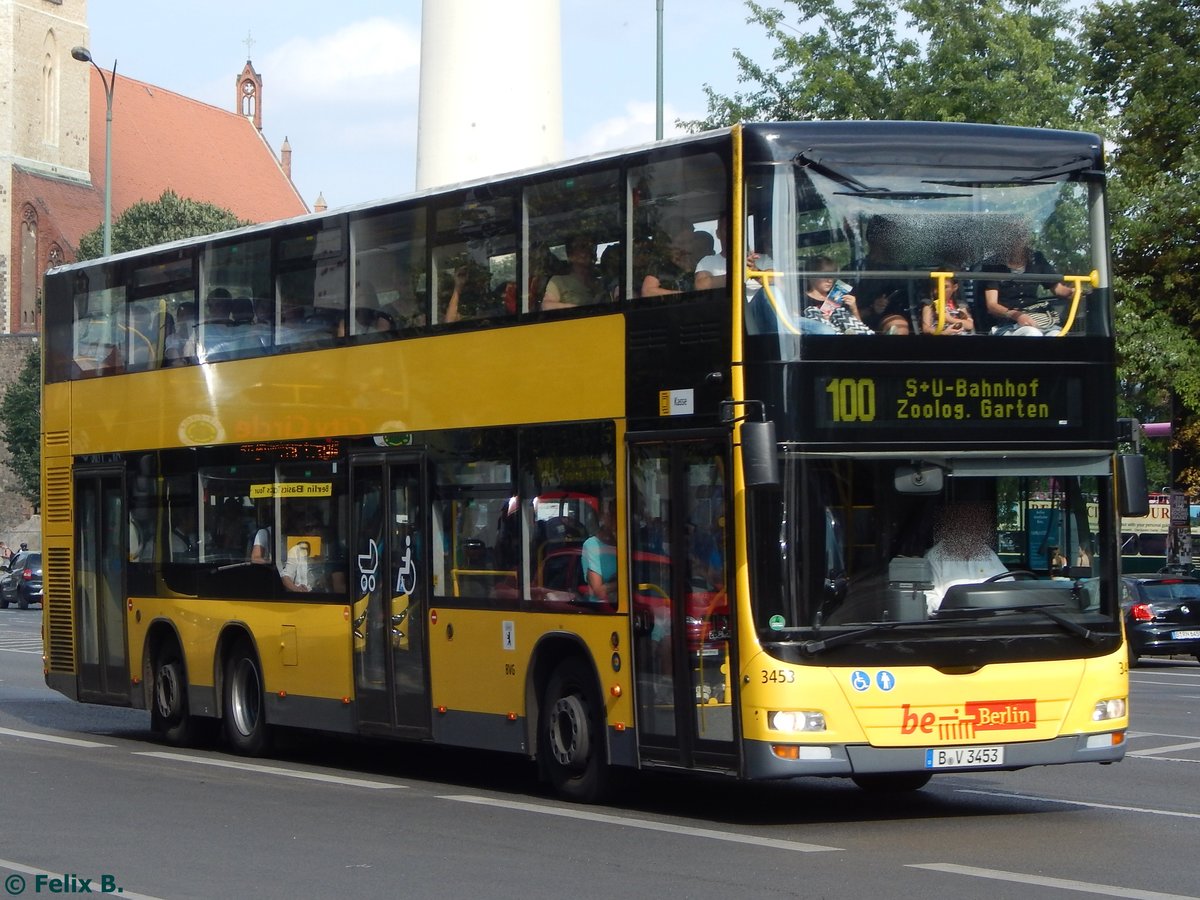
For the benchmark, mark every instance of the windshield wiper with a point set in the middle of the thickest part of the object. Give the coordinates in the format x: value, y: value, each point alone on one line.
x: 1070, y: 625
x: 1076, y: 165
x: 812, y: 648
x: 805, y: 161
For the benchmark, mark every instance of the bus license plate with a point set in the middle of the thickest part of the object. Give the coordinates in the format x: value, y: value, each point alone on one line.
x: 963, y: 757
x: 1186, y: 635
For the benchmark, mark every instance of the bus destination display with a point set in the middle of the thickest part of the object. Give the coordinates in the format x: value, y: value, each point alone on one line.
x: 932, y: 397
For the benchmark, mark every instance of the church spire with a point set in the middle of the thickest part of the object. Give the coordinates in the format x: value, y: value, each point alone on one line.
x: 249, y: 89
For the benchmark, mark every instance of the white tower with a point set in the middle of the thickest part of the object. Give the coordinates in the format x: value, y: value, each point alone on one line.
x: 491, y: 88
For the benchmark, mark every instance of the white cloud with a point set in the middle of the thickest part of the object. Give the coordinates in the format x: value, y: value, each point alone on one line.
x: 352, y: 64
x: 635, y: 126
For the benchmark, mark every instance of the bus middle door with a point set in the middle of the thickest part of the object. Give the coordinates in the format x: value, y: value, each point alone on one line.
x: 390, y: 581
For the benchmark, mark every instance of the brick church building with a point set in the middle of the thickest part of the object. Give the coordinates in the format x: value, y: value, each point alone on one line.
x: 52, y: 149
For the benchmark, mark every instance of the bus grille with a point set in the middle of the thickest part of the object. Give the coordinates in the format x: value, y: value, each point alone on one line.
x: 58, y: 495
x: 58, y: 609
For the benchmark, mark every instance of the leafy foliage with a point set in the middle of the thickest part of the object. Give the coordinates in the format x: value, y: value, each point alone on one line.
x: 1146, y: 81
x: 992, y: 61
x: 20, y: 413
x: 150, y: 222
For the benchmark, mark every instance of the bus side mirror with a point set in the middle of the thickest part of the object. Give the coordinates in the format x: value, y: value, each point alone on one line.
x: 760, y: 454
x: 1133, y: 495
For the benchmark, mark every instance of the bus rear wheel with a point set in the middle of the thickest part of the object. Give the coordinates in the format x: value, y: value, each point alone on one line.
x: 892, y: 782
x: 169, y: 716
x: 244, y: 718
x: 571, y: 734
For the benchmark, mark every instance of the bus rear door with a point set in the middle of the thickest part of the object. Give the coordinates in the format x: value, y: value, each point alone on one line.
x: 101, y: 549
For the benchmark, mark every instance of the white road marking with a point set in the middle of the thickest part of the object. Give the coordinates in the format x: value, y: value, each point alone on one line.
x: 1065, y: 884
x: 52, y: 738
x: 1154, y: 751
x: 274, y: 770
x: 626, y: 822
x: 1134, y: 809
x: 17, y: 888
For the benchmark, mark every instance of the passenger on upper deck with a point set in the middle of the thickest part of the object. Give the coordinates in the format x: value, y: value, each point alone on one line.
x: 670, y: 262
x: 958, y: 316
x: 829, y: 301
x: 581, y: 286
x: 1020, y: 307
x: 469, y: 292
x: 885, y: 301
x: 181, y: 343
x: 712, y: 269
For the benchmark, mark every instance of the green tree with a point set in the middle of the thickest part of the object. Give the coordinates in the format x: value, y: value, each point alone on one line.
x: 150, y: 222
x: 19, y: 411
x: 996, y: 61
x: 1145, y: 80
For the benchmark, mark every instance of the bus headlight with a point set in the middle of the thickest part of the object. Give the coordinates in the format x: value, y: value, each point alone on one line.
x: 789, y: 720
x: 1109, y: 709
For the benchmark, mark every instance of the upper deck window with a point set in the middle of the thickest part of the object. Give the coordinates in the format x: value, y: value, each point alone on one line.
x: 1017, y: 247
x: 576, y: 256
x: 234, y: 318
x: 390, y: 272
x: 475, y: 257
x: 676, y: 205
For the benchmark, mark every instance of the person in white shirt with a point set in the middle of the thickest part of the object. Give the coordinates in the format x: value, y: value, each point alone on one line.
x: 963, y: 552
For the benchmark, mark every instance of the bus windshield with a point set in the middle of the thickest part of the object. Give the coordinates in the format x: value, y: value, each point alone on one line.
x: 848, y: 543
x: 1018, y: 246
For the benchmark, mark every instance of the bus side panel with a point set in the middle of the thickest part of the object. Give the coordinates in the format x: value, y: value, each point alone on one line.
x: 304, y: 650
x: 500, y: 377
x: 482, y: 667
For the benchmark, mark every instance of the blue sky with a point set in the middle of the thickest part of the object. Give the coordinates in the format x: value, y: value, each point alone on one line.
x: 341, y: 80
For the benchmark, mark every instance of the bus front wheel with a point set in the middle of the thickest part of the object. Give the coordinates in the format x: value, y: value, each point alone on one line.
x: 245, y: 720
x: 571, y: 734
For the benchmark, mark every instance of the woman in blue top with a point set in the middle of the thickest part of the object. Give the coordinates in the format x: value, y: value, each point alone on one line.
x: 600, y: 558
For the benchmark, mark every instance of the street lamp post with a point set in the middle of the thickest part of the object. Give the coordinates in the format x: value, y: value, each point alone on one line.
x: 658, y: 98
x: 84, y: 55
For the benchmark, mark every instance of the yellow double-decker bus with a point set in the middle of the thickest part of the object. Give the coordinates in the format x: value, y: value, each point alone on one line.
x: 600, y: 464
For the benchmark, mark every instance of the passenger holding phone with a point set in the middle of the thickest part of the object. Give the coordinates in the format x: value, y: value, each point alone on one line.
x: 828, y: 299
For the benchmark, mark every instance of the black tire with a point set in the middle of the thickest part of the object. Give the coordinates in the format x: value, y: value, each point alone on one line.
x: 892, y: 782
x: 22, y: 601
x: 1133, y: 657
x: 571, y: 734
x: 170, y: 718
x: 4, y: 603
x: 244, y: 717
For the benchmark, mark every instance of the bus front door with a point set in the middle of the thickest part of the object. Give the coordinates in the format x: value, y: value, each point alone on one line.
x: 101, y: 548
x: 390, y: 581
x: 680, y: 606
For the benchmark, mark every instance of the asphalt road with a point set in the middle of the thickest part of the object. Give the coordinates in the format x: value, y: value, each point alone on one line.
x: 87, y: 794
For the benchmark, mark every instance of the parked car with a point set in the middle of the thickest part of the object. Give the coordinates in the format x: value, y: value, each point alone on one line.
x: 1162, y: 615
x: 21, y: 580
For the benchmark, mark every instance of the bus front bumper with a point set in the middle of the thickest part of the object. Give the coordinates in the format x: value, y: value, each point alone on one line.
x: 766, y: 760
